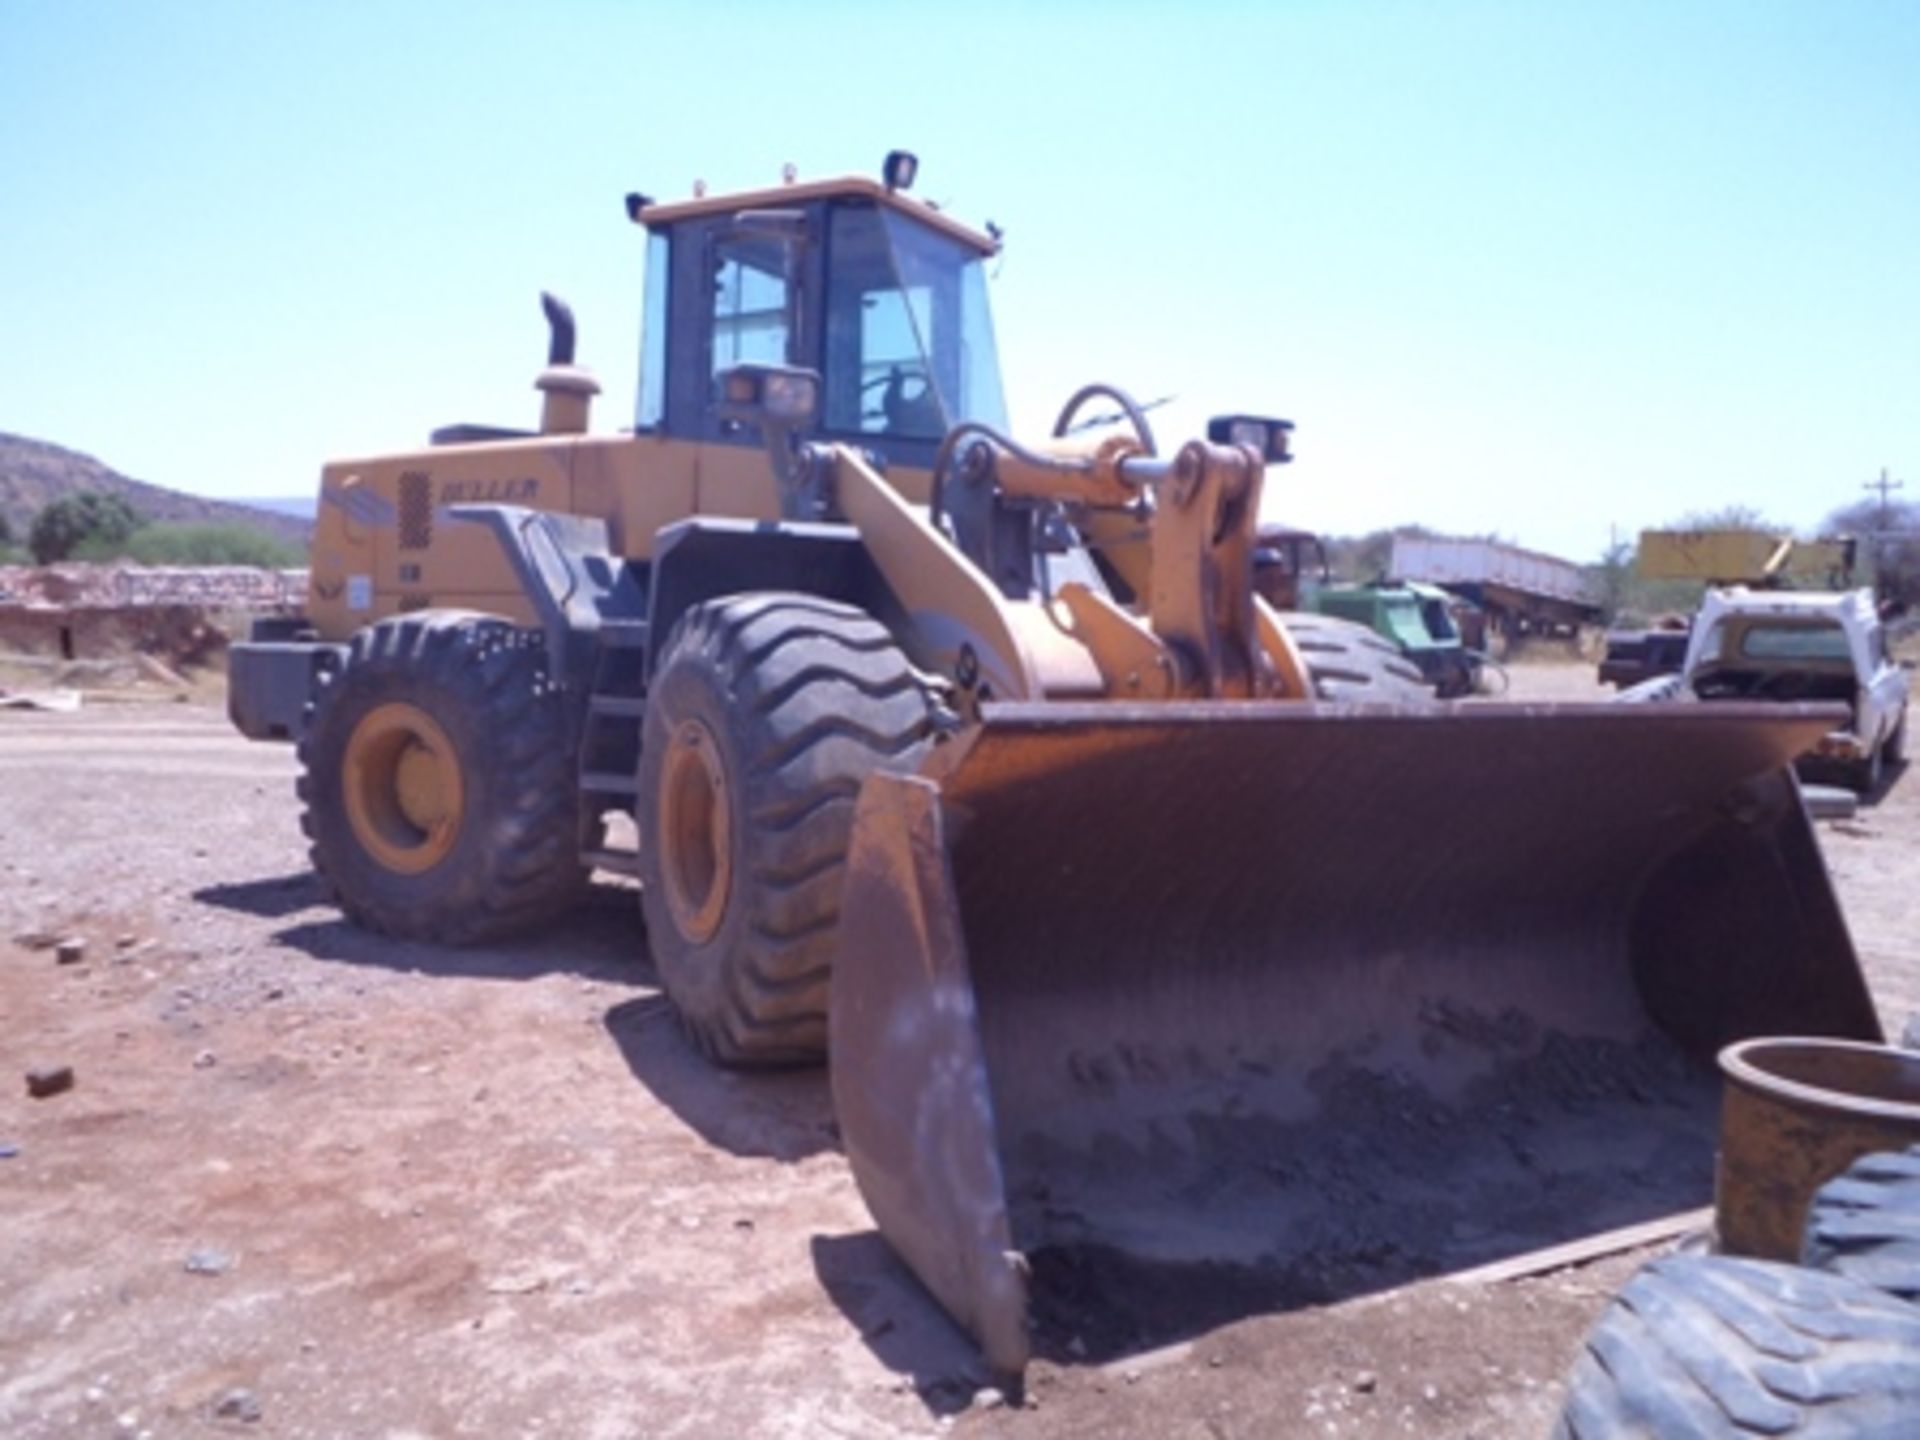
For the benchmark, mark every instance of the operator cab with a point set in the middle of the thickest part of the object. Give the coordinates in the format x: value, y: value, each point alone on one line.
x: 880, y: 295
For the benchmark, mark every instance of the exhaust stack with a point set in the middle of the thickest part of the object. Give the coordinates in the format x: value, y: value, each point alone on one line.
x: 567, y: 390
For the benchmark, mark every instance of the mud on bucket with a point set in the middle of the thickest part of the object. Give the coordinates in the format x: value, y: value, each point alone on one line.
x: 1797, y: 1111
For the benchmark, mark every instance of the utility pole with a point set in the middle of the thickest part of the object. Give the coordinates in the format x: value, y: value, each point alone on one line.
x: 1886, y: 487
x: 1879, y: 544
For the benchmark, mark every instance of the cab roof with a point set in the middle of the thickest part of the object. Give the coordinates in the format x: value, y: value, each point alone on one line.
x: 655, y: 215
x: 1739, y: 599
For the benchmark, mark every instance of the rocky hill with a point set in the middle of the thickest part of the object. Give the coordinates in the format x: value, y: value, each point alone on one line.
x: 33, y: 474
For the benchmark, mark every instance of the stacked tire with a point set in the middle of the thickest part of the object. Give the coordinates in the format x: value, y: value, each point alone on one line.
x: 1699, y: 1347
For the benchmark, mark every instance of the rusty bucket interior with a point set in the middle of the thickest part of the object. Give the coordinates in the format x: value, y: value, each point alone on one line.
x: 1147, y: 1017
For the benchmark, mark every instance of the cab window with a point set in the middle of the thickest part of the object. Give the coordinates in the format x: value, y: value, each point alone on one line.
x: 751, y: 316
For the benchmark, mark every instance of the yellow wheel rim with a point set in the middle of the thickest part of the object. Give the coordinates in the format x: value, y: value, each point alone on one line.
x: 696, y: 832
x: 404, y: 792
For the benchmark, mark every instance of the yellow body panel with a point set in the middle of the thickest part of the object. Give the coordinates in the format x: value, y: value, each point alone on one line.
x: 383, y: 544
x: 638, y: 484
x: 1730, y: 556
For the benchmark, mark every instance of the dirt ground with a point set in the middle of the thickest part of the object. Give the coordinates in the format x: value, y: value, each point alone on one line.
x: 348, y: 1187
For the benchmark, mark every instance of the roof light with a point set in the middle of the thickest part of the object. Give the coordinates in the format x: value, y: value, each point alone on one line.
x: 1272, y: 438
x: 899, y: 169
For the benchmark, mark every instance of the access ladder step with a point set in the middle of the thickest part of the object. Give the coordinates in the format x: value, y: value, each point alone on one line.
x: 621, y: 862
x: 623, y: 634
x: 609, y: 782
x: 630, y: 707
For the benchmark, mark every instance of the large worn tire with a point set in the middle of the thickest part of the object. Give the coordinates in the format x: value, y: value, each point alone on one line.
x: 1347, y: 661
x: 1703, y: 1347
x: 458, y: 703
x: 1865, y: 1224
x: 1866, y: 775
x: 767, y: 712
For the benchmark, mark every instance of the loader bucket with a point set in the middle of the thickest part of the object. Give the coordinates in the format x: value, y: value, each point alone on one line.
x: 1170, y: 1013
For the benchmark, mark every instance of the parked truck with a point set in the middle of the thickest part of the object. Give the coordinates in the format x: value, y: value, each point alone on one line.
x: 1522, y: 592
x: 1795, y: 646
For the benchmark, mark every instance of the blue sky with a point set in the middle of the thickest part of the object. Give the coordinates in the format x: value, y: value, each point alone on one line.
x: 1535, y: 269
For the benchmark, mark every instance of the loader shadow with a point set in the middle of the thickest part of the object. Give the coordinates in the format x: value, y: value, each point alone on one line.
x: 898, y: 1321
x: 273, y: 898
x: 784, y: 1115
x: 601, y: 938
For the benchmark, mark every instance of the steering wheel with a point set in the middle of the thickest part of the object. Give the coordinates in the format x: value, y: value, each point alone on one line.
x: 914, y: 414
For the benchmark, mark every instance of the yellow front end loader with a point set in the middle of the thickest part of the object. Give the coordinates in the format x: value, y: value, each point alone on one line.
x: 1177, y: 957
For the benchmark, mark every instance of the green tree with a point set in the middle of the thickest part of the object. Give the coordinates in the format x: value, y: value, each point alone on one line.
x: 1889, y: 546
x: 1612, y: 578
x: 164, y: 544
x: 73, y: 520
x: 1729, y: 517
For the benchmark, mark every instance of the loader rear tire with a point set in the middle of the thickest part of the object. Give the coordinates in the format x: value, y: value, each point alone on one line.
x: 1865, y: 1224
x: 1703, y: 1347
x: 767, y: 712
x: 1347, y: 661
x: 437, y: 784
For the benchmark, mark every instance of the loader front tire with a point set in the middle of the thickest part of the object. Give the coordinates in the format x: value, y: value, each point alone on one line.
x: 766, y: 713
x: 1347, y: 661
x: 437, y: 784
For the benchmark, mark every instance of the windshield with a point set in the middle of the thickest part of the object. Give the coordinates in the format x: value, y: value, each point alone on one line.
x: 1403, y: 619
x: 909, y: 339
x: 1439, y: 623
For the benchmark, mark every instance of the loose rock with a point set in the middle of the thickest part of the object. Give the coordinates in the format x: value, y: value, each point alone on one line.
x: 70, y: 951
x: 238, y: 1404
x: 209, y: 1262
x: 205, y: 1060
x: 46, y: 1080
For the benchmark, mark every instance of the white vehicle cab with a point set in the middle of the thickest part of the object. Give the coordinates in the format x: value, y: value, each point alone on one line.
x: 1789, y: 645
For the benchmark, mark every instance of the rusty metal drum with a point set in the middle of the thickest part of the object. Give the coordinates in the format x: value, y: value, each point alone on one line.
x: 1795, y: 1113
